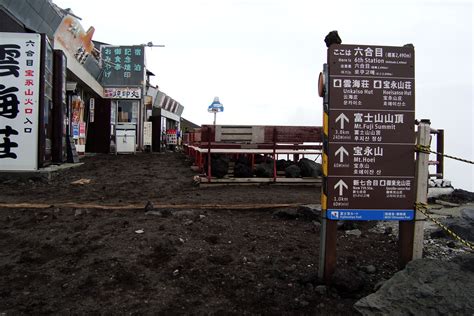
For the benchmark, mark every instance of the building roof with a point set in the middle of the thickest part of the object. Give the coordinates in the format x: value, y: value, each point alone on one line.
x: 189, y: 123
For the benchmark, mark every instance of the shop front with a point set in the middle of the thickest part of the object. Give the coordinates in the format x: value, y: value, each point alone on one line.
x: 124, y: 82
x: 166, y: 118
x: 88, y: 112
x: 125, y: 120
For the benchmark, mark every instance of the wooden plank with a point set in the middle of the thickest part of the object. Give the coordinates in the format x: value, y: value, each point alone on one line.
x: 156, y: 206
x: 258, y: 151
x: 264, y: 180
x: 294, y: 134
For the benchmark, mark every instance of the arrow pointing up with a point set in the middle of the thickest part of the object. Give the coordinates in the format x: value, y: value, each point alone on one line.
x: 341, y: 185
x: 341, y: 152
x: 342, y: 117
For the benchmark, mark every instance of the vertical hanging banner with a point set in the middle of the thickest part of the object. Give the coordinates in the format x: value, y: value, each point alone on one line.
x: 371, y: 135
x: 19, y: 98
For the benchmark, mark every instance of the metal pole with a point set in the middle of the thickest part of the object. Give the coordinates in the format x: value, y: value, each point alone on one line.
x: 209, y: 153
x: 328, y: 237
x: 215, y: 118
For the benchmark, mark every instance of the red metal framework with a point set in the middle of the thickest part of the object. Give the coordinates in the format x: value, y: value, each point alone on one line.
x: 235, y: 140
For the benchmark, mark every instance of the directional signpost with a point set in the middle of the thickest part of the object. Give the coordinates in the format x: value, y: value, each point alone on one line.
x: 368, y: 160
x: 371, y: 133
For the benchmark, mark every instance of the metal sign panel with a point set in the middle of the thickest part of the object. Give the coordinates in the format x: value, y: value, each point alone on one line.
x: 371, y: 133
x: 123, y: 65
x: 215, y: 108
x: 19, y: 100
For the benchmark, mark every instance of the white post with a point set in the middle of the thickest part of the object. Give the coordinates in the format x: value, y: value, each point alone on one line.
x: 423, y: 139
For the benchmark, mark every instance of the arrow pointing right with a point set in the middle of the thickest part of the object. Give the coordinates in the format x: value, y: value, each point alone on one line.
x: 341, y: 185
x: 341, y: 152
x: 342, y: 117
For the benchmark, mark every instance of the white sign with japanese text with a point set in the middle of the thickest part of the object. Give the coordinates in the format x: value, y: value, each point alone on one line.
x: 20, y: 59
x: 147, y: 132
x: 123, y: 93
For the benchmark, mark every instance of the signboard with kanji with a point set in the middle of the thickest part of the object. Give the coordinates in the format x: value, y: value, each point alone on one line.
x: 147, y: 132
x: 123, y: 66
x: 19, y: 100
x: 371, y: 135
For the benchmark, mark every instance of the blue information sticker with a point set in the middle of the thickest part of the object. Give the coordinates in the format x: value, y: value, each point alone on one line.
x: 371, y: 215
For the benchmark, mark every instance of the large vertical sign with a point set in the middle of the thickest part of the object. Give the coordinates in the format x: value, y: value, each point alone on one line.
x: 19, y: 98
x: 371, y: 137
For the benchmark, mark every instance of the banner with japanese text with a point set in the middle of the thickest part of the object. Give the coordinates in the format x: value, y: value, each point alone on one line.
x: 20, y: 56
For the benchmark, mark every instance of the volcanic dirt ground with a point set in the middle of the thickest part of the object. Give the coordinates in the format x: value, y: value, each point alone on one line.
x: 95, y: 248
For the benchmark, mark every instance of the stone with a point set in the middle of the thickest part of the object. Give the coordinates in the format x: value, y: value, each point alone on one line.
x: 283, y: 164
x: 309, y: 278
x: 467, y: 214
x: 348, y: 281
x: 346, y: 225
x: 148, y: 206
x: 459, y: 196
x: 354, y: 232
x: 309, y: 168
x: 370, y: 269
x: 166, y: 213
x: 264, y: 170
x: 184, y: 213
x: 77, y: 213
x: 286, y: 214
x: 219, y: 166
x: 425, y: 287
x: 292, y: 171
x: 321, y: 289
x: 310, y: 212
x: 304, y: 303
x: 242, y: 171
x: 155, y: 213
x: 379, y: 284
x: 460, y: 225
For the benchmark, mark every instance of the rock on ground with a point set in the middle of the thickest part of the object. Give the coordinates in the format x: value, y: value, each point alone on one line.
x: 264, y: 170
x: 309, y: 168
x: 459, y: 196
x: 242, y: 171
x: 462, y: 226
x: 425, y: 287
x: 293, y: 171
x: 219, y: 166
